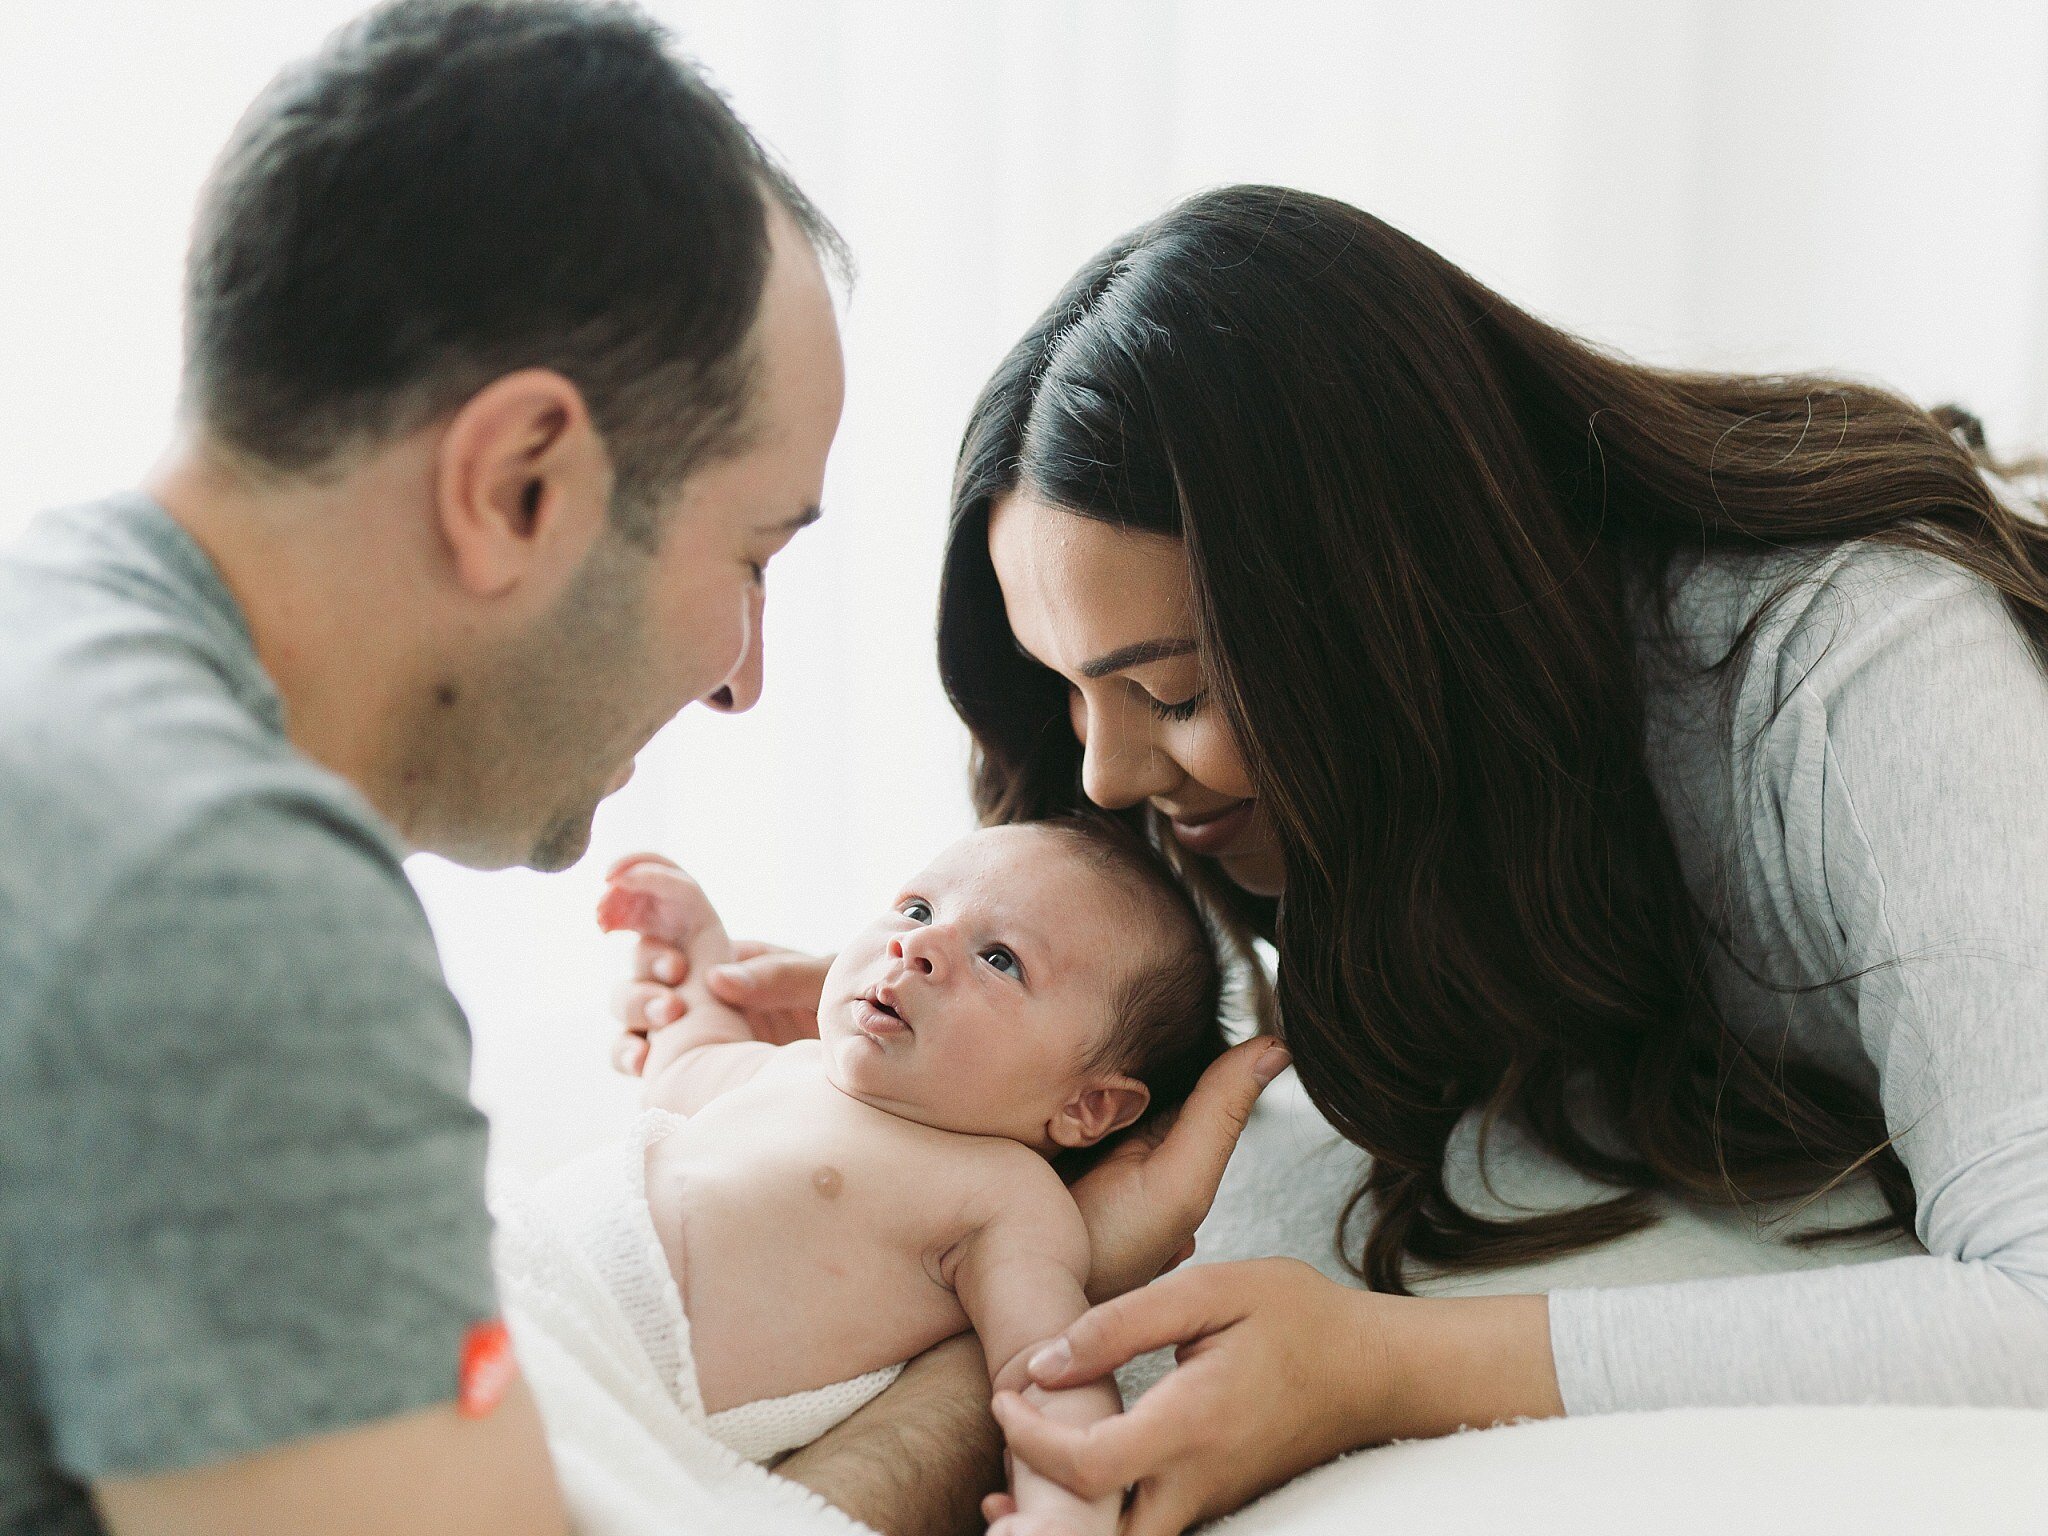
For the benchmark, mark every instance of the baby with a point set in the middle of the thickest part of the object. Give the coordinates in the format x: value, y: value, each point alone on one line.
x: 832, y: 1207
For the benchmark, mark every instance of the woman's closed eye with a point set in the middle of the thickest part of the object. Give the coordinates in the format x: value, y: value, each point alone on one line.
x: 1186, y: 709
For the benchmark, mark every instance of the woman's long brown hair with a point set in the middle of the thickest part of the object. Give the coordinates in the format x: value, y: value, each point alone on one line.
x: 1413, y: 516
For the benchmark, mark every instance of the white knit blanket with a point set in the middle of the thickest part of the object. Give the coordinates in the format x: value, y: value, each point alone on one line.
x: 629, y: 1461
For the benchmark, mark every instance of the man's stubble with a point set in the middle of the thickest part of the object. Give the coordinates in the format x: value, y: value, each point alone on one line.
x: 532, y: 742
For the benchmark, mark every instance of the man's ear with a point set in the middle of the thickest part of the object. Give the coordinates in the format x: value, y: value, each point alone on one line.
x: 1100, y: 1107
x: 523, y: 482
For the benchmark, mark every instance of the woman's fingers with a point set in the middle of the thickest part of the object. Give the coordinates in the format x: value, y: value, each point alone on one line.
x: 1162, y: 1508
x: 1190, y: 1161
x: 1171, y: 1310
x: 1095, y: 1460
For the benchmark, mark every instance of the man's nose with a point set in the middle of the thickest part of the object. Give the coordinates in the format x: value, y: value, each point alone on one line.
x: 1120, y: 764
x: 741, y: 690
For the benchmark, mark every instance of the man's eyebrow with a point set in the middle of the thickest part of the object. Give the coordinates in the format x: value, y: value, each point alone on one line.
x: 1136, y: 655
x: 802, y: 520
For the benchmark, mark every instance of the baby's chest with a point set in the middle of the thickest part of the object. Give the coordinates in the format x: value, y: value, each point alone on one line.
x: 844, y: 1201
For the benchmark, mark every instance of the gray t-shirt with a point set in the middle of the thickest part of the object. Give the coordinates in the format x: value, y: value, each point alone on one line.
x: 1867, y: 798
x: 241, y: 1180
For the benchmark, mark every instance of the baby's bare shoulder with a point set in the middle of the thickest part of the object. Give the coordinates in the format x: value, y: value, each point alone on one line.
x: 1016, y: 1187
x: 1000, y: 1197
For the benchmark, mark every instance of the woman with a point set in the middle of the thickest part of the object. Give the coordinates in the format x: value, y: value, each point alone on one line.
x: 1650, y: 759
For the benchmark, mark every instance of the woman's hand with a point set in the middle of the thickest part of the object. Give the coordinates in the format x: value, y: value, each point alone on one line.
x: 1143, y: 1201
x: 776, y: 990
x: 1280, y: 1370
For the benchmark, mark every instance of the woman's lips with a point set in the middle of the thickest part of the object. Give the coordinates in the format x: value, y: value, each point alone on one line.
x: 877, y: 1023
x: 1213, y: 833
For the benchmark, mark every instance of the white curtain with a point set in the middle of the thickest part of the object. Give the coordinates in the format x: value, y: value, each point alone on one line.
x: 1859, y: 186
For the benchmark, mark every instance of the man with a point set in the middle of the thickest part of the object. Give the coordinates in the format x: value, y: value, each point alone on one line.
x: 510, y: 364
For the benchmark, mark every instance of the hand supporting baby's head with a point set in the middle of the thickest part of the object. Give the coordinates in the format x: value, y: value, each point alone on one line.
x: 1046, y: 982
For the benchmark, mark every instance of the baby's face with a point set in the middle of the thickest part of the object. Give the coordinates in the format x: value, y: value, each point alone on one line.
x: 974, y: 1002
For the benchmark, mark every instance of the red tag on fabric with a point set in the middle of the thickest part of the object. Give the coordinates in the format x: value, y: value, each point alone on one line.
x: 487, y: 1369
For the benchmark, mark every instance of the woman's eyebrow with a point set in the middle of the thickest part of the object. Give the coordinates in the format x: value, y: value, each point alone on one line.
x: 1136, y: 655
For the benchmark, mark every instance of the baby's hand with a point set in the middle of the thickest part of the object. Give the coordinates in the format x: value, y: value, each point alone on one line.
x: 1068, y: 1516
x: 651, y: 896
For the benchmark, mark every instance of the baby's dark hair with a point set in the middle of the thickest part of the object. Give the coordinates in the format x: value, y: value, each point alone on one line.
x: 1169, y: 1024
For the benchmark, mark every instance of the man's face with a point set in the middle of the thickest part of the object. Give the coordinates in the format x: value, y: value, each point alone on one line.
x: 640, y: 634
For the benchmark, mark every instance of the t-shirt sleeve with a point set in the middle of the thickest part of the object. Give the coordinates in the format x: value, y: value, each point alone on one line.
x: 260, y: 1197
x: 1907, y: 768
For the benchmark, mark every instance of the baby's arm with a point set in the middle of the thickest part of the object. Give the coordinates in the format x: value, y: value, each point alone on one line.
x: 1020, y: 1278
x: 710, y: 1048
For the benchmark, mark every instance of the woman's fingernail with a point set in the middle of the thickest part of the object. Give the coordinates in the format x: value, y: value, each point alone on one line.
x: 1053, y: 1360
x: 1271, y: 1064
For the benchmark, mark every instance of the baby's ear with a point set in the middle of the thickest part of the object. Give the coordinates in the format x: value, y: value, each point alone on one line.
x: 1101, y: 1107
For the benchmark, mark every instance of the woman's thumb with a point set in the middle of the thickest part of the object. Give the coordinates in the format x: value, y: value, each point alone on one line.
x: 1206, y: 1131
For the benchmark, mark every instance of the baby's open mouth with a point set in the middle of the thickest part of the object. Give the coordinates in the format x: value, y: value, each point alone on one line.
x: 876, y: 1016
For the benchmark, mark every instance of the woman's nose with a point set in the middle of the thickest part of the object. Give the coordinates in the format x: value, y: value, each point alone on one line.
x: 1120, y: 764
x: 741, y: 690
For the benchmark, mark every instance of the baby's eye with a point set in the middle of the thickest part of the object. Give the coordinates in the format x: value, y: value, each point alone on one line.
x: 1002, y: 960
x: 916, y: 908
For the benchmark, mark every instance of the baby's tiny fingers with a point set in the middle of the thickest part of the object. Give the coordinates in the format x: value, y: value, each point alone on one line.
x: 643, y: 1005
x: 620, y: 866
x: 656, y: 961
x: 629, y: 1054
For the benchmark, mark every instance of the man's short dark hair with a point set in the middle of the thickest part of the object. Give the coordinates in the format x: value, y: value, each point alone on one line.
x: 452, y: 190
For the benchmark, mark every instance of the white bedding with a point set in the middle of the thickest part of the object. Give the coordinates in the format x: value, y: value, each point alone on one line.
x: 1688, y: 1472
x: 632, y: 1466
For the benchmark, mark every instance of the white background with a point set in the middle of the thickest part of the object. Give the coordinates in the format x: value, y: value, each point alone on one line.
x: 1752, y: 183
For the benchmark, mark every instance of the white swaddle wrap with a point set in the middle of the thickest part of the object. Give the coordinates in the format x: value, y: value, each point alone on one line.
x: 597, y: 1205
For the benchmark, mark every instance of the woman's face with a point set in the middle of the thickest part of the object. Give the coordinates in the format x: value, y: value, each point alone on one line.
x: 1110, y: 612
